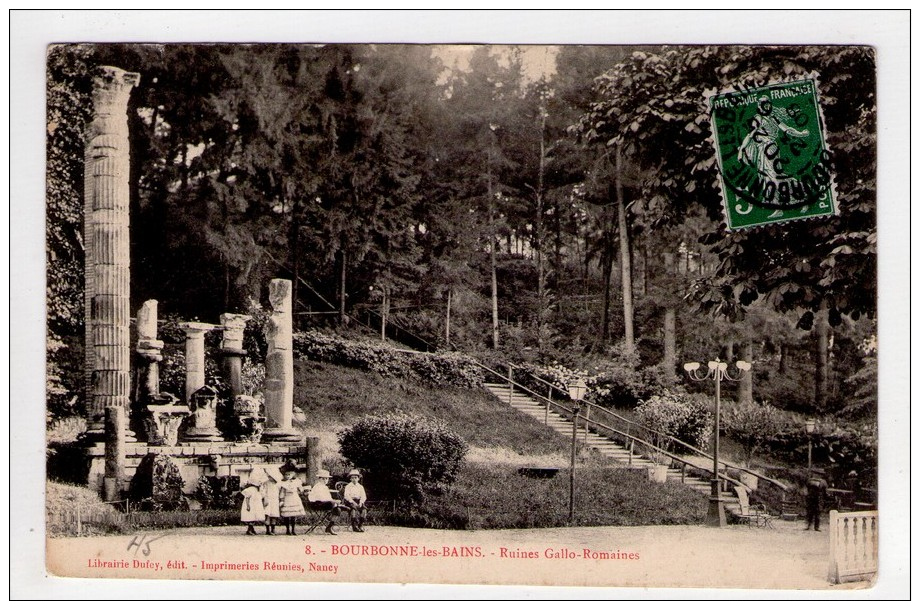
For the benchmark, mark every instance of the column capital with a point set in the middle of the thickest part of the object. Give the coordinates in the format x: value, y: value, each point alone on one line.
x: 196, y: 329
x: 231, y: 321
x: 113, y: 85
x: 234, y: 326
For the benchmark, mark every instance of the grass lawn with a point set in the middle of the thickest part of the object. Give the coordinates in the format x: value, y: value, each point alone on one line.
x: 496, y: 496
x: 333, y: 397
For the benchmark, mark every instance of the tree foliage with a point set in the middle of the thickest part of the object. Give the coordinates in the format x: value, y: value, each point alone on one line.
x: 376, y: 177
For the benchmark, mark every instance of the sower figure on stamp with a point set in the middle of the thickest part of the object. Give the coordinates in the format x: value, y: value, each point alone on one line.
x: 760, y: 148
x: 815, y: 489
x: 320, y: 499
x: 355, y: 499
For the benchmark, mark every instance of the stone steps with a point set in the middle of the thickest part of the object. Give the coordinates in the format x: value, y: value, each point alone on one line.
x: 601, y: 444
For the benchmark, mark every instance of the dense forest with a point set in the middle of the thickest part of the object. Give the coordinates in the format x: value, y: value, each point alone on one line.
x: 552, y: 213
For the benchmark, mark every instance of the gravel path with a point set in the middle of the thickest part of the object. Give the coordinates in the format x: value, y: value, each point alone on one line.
x: 785, y: 557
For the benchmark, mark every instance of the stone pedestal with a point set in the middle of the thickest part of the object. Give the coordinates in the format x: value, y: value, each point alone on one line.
x: 279, y: 366
x: 204, y: 417
x: 248, y: 412
x: 107, y: 256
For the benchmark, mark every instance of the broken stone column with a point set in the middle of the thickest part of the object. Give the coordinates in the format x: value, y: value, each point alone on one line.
x: 106, y: 239
x: 115, y: 426
x: 194, y: 355
x: 148, y: 354
x: 231, y: 347
x: 279, y: 366
x: 312, y: 458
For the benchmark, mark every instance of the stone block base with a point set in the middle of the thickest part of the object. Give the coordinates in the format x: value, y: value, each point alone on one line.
x: 199, y: 459
x: 282, y: 435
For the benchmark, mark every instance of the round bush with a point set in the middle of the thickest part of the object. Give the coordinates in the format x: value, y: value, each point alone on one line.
x: 678, y: 415
x: 404, y: 457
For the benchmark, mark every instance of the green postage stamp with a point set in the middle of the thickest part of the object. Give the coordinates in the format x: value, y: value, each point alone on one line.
x: 773, y: 159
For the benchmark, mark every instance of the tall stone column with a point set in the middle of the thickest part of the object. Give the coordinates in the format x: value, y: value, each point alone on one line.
x: 231, y: 347
x: 279, y: 366
x: 194, y: 355
x: 106, y: 239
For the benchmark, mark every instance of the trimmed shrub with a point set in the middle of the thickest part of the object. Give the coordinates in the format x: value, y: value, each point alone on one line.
x: 679, y: 415
x: 752, y: 426
x: 404, y: 457
x: 440, y: 369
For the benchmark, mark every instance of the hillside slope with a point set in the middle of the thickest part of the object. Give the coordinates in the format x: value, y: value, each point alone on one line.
x: 333, y: 397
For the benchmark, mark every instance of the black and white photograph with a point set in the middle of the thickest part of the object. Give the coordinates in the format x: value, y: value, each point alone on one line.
x: 517, y: 314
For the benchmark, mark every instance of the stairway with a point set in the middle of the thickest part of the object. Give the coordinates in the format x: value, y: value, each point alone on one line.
x: 601, y: 444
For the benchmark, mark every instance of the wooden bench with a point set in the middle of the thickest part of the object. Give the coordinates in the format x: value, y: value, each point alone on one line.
x: 538, y: 472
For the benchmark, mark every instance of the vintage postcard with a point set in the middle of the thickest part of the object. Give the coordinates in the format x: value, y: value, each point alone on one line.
x: 568, y: 315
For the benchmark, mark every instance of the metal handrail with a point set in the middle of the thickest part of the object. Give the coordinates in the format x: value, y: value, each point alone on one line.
x: 690, y: 446
x: 664, y: 452
x: 672, y: 439
x: 566, y: 410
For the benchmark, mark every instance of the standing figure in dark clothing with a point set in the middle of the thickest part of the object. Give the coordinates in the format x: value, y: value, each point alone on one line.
x: 815, y: 489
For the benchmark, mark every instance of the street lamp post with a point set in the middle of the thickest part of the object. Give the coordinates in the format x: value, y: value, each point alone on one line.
x: 576, y: 393
x: 810, y: 426
x: 718, y: 371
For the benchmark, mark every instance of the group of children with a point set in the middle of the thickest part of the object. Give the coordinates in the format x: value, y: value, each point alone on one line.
x: 274, y: 494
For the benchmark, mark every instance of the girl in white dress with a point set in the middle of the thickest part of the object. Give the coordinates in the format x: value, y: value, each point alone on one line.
x: 290, y: 490
x: 252, y: 511
x: 271, y: 498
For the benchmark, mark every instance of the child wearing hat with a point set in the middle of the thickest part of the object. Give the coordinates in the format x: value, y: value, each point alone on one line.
x: 252, y: 511
x: 271, y: 494
x: 320, y: 499
x: 290, y: 489
x: 355, y: 498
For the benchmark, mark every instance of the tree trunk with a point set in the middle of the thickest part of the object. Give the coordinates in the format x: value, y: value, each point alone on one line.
x: 607, y: 272
x: 670, y: 320
x: 384, y: 313
x: 492, y: 265
x: 343, y: 258
x: 822, y: 332
x: 557, y: 251
x: 645, y: 269
x: 670, y: 340
x: 625, y: 263
x: 538, y: 238
x: 746, y: 385
x: 226, y: 283
x: 783, y: 358
x: 295, y: 256
x: 447, y: 318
